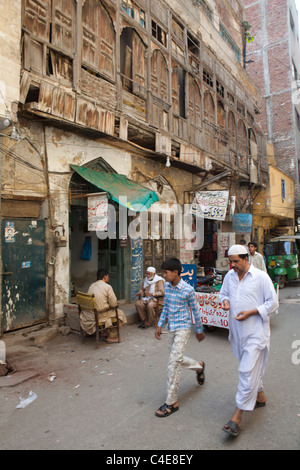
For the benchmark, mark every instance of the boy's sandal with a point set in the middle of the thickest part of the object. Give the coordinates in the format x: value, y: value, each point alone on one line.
x: 166, y: 410
x: 200, y: 375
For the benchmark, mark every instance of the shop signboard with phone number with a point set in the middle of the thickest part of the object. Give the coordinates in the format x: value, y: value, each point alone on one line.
x: 212, y: 314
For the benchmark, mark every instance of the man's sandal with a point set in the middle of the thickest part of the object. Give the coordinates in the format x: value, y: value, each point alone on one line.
x: 259, y: 404
x: 166, y: 410
x: 232, y: 428
x: 200, y: 375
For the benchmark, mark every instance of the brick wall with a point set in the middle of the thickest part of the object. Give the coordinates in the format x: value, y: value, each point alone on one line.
x: 272, y: 72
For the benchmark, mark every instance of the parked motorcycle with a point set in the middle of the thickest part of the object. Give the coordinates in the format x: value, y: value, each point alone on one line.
x: 210, y: 282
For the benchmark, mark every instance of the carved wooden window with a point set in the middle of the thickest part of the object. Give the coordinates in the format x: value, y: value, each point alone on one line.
x: 232, y: 130
x: 252, y: 144
x: 36, y: 18
x: 159, y: 83
x: 209, y: 122
x: 242, y: 145
x: 194, y: 103
x: 159, y: 76
x: 193, y: 53
x: 63, y: 17
x: 178, y: 91
x: 133, y: 62
x: 221, y: 115
x: 98, y: 39
x: 49, y: 39
x: 209, y: 108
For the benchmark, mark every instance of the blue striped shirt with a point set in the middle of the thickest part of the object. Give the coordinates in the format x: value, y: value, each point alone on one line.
x: 179, y: 302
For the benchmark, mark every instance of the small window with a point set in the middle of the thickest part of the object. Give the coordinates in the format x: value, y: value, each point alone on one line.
x: 220, y: 89
x: 227, y: 38
x: 283, y: 189
x: 241, y: 108
x: 177, y: 29
x: 230, y: 98
x: 158, y: 33
x: 135, y: 12
x: 207, y: 78
x: 127, y: 6
x: 206, y: 9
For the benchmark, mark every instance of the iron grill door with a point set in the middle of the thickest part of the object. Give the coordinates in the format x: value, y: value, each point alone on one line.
x: 24, y: 273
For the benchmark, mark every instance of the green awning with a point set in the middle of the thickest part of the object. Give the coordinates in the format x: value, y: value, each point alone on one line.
x: 138, y: 198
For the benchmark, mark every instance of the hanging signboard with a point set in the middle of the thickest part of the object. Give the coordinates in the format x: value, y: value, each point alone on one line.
x: 97, y: 212
x: 210, y: 204
x: 242, y: 223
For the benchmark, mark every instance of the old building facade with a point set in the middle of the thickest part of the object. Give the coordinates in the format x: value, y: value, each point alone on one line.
x: 153, y: 90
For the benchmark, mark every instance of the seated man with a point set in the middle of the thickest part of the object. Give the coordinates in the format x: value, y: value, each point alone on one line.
x: 105, y: 300
x: 151, y: 292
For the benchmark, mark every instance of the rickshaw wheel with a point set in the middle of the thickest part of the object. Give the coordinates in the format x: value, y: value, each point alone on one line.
x: 280, y: 281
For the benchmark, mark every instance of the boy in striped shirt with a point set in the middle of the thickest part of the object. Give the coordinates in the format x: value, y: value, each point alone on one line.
x: 179, y: 301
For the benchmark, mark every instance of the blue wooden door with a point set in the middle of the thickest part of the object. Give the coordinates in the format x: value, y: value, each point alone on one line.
x: 24, y: 273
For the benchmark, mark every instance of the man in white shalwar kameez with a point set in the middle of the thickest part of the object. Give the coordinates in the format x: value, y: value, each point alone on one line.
x: 249, y: 295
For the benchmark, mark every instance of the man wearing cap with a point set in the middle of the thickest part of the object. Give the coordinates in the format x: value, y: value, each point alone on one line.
x: 249, y: 295
x: 151, y: 292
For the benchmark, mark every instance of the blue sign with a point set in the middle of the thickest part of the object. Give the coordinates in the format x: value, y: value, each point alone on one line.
x: 189, y: 274
x: 242, y: 222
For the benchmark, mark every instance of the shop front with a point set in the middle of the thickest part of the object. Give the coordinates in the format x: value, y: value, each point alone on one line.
x: 104, y: 227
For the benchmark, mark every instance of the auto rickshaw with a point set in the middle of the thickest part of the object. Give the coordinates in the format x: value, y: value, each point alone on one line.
x: 282, y: 255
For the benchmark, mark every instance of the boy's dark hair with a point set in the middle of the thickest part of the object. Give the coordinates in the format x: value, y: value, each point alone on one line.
x: 172, y: 264
x: 253, y: 243
x: 101, y: 273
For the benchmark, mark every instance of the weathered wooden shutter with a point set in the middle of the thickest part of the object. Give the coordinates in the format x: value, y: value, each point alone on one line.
x: 138, y: 66
x: 63, y: 19
x: 90, y: 34
x: 107, y: 45
x: 36, y: 18
x: 194, y: 103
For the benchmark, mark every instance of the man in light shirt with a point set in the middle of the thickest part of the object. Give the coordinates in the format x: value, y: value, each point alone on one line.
x: 248, y: 293
x: 256, y: 258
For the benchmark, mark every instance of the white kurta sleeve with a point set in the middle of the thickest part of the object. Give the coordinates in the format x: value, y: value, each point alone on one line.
x: 270, y: 304
x: 224, y: 292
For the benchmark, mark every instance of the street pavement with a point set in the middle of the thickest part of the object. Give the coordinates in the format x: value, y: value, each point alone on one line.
x: 106, y: 398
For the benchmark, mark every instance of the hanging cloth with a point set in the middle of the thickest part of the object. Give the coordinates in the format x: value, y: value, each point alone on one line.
x: 87, y: 249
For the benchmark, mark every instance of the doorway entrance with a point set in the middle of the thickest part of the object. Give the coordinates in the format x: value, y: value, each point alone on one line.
x: 101, y: 254
x: 23, y: 273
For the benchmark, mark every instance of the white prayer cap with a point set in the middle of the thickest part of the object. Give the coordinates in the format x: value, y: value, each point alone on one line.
x: 237, y: 250
x: 151, y: 270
